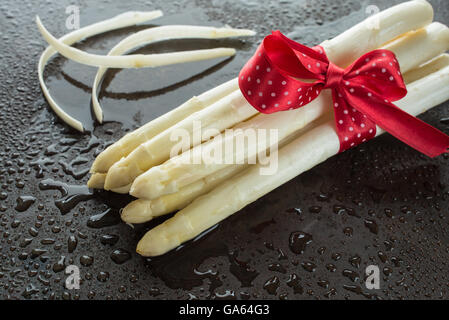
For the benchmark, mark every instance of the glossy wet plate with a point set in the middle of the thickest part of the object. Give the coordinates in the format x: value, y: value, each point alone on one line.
x: 379, y: 204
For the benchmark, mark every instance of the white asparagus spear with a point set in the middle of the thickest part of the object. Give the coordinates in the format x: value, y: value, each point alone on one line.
x: 152, y: 35
x: 96, y: 180
x: 341, y: 50
x: 143, y: 210
x: 378, y: 29
x: 432, y: 40
x: 432, y: 66
x: 132, y: 140
x: 298, y: 156
x: 132, y: 60
x: 412, y: 50
x: 123, y: 20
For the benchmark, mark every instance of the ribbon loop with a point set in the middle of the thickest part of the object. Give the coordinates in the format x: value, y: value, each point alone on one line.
x: 284, y: 75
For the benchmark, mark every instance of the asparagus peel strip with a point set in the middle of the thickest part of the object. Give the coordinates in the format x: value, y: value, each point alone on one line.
x: 152, y: 35
x: 132, y: 60
x: 412, y: 50
x: 120, y: 21
x: 298, y: 156
x: 135, y: 40
x: 342, y: 50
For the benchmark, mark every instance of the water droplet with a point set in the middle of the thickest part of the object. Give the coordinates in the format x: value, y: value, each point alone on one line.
x: 72, y: 242
x: 298, y: 241
x: 120, y: 256
x: 86, y: 260
x: 24, y: 202
x: 109, y: 239
x: 272, y: 285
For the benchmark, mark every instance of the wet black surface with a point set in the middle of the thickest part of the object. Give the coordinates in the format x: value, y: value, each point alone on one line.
x: 381, y: 203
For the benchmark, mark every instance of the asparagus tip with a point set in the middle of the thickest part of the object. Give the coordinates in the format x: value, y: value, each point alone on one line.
x: 117, y: 177
x: 152, y: 14
x: 90, y: 183
x: 150, y: 184
x: 227, y: 51
x: 96, y: 181
x: 138, y: 211
x: 245, y: 32
x: 146, y: 246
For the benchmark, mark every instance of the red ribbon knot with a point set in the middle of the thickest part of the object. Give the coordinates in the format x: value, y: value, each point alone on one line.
x: 284, y: 75
x: 334, y: 76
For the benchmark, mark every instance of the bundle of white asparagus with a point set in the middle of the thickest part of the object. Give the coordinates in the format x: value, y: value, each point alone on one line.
x: 305, y: 152
x: 207, y: 193
x: 225, y: 106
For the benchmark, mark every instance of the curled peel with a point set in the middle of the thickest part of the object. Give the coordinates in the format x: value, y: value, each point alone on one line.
x: 114, y: 58
x: 120, y: 21
x: 156, y: 34
x: 133, y: 60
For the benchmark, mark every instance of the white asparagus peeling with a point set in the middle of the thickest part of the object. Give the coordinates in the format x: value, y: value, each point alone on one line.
x: 156, y: 34
x: 132, y: 60
x: 341, y: 50
x: 120, y: 21
x: 412, y: 50
x: 295, y: 158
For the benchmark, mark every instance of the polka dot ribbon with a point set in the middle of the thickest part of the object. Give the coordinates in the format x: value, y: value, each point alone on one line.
x: 284, y: 75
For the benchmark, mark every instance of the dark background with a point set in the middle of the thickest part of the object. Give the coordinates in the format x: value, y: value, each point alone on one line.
x: 381, y: 203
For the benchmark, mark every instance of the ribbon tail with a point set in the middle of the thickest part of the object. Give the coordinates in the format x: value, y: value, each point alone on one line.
x: 421, y: 136
x: 353, y: 128
x: 405, y: 127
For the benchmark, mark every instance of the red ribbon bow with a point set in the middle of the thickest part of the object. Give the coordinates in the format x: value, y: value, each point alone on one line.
x: 362, y: 93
